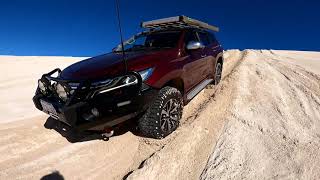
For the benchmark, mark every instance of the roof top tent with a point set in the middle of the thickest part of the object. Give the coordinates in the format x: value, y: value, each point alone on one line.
x: 177, y: 22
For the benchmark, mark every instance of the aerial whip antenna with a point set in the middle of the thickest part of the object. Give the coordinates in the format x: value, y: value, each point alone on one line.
x: 121, y: 38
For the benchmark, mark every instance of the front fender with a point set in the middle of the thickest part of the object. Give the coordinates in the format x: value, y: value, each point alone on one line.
x: 160, y: 79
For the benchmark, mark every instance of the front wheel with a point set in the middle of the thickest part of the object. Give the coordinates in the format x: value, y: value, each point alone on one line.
x: 164, y: 114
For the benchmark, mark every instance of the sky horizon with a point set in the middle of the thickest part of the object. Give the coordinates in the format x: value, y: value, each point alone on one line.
x: 89, y: 28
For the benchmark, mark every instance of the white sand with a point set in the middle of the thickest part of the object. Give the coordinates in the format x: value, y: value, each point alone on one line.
x: 273, y: 130
x: 18, y: 80
x: 262, y: 121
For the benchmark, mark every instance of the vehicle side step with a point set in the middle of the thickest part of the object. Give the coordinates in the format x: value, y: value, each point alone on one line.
x: 198, y: 88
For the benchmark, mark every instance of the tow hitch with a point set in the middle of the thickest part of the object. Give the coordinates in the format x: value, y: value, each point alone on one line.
x: 108, y: 132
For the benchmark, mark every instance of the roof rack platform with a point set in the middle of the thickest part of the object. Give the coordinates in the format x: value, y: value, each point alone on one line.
x: 177, y: 22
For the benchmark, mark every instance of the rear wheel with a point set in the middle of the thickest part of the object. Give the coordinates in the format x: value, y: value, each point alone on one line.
x: 218, y: 74
x: 163, y: 116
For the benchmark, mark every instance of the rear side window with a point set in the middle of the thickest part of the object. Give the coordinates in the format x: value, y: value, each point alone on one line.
x: 204, y: 38
x: 212, y: 38
x: 191, y: 36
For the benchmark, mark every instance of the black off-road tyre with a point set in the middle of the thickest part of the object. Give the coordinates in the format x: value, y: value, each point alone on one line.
x: 218, y: 74
x: 161, y: 118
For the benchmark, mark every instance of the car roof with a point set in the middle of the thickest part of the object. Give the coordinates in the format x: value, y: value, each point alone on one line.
x: 174, y: 29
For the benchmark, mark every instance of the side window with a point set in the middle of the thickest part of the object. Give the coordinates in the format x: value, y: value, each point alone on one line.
x: 212, y: 38
x: 204, y: 38
x: 190, y: 36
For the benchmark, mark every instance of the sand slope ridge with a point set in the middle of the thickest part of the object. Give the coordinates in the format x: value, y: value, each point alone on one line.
x: 261, y: 121
x: 274, y: 128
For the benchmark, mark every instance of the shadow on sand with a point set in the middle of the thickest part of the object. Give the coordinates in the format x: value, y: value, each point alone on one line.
x: 74, y: 136
x: 55, y: 175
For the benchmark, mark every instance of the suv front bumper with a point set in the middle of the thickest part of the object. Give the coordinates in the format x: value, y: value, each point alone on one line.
x: 74, y: 115
x: 98, y: 108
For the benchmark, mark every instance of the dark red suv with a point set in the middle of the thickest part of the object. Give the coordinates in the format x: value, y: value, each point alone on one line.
x: 162, y: 69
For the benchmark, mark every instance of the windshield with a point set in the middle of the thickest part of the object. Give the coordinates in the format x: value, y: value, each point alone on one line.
x: 155, y: 40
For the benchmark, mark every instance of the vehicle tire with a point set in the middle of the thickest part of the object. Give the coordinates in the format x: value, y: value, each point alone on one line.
x: 218, y: 74
x: 164, y: 114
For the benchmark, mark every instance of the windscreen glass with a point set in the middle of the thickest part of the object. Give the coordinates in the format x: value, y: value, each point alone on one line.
x: 155, y: 40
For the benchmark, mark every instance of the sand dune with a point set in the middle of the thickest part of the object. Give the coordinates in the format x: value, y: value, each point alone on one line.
x: 273, y: 129
x: 262, y: 121
x: 19, y: 75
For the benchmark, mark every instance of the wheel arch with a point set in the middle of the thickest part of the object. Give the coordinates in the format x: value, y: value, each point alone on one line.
x: 176, y: 83
x: 220, y: 58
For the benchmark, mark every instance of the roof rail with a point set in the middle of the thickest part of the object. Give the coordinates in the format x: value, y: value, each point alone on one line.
x: 178, y: 22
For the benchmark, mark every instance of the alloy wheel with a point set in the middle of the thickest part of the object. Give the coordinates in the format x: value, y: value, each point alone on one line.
x: 169, y: 115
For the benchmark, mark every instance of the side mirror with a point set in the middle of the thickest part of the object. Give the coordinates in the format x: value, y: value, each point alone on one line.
x: 193, y: 45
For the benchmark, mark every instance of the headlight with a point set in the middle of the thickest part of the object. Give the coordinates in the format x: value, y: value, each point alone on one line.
x: 145, y: 74
x: 62, y: 92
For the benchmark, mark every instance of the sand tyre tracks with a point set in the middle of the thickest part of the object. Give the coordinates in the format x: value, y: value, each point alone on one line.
x: 163, y: 116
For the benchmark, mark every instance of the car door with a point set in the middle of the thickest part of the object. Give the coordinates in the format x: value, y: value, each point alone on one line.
x: 213, y: 50
x: 195, y: 68
x: 206, y: 53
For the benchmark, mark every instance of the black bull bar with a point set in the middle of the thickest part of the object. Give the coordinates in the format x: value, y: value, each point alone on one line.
x: 135, y: 88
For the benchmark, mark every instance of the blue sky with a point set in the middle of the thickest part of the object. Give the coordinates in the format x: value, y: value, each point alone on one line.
x: 89, y: 27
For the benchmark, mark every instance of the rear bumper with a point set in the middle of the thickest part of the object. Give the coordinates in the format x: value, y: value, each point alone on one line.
x: 111, y: 113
